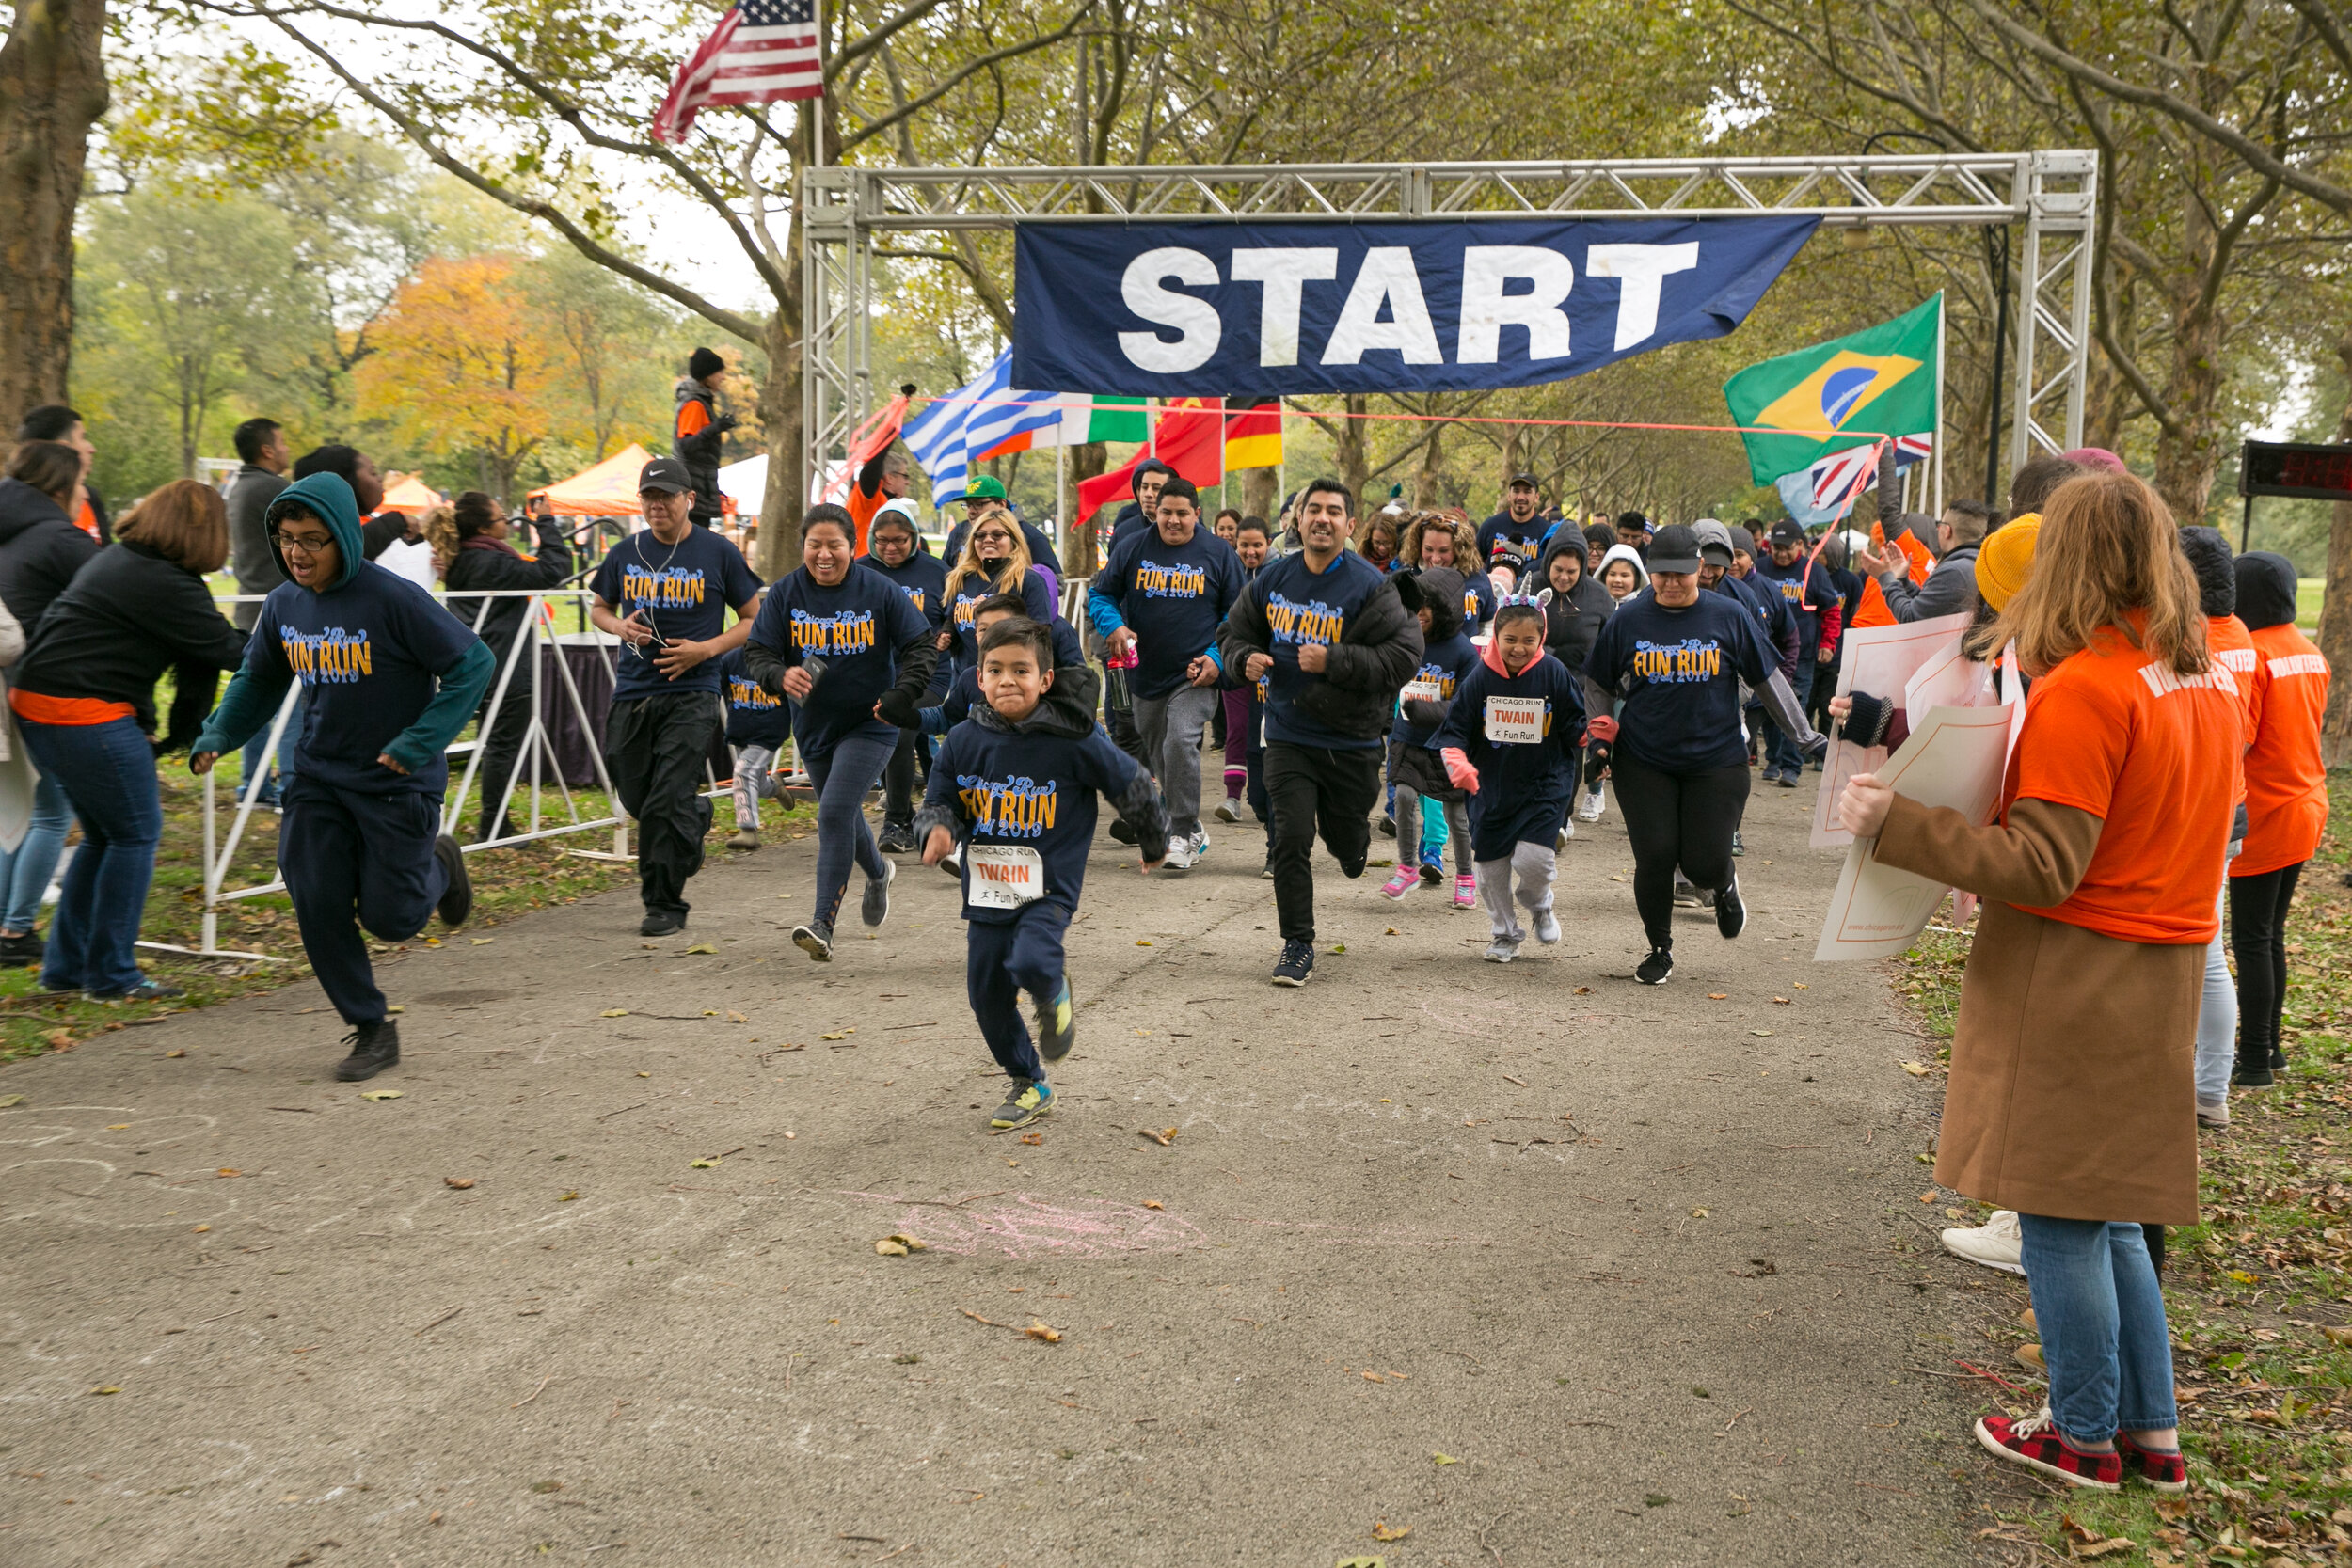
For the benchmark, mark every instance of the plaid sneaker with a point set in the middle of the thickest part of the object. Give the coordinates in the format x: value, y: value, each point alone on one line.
x: 2038, y: 1445
x: 2162, y: 1468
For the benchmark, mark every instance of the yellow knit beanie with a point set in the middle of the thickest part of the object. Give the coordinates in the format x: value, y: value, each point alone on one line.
x: 2005, y: 560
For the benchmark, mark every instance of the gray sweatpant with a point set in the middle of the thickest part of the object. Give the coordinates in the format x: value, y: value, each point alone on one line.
x: 1170, y: 727
x: 1536, y: 865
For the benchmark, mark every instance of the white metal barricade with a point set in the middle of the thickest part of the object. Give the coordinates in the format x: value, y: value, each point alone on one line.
x: 535, y: 754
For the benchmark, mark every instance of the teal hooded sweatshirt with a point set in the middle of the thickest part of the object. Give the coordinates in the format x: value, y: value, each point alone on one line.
x: 385, y: 670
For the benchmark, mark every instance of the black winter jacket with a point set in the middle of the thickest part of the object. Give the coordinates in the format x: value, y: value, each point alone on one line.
x: 127, y: 617
x: 40, y: 549
x: 483, y: 566
x: 1374, y: 656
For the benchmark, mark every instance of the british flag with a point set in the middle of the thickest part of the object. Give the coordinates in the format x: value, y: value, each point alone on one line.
x: 761, y: 51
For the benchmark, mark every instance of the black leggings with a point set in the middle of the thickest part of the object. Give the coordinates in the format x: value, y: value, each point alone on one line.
x: 899, y: 783
x: 1684, y: 819
x: 2258, y: 923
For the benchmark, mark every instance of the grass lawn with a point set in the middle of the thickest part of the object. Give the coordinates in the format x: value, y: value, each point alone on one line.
x: 507, y: 883
x: 2258, y: 1295
x: 2309, y: 592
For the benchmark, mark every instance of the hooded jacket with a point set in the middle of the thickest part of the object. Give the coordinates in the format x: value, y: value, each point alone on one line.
x: 2266, y: 590
x: 1626, y: 553
x: 1130, y: 518
x: 701, y: 450
x: 1374, y: 656
x: 1573, y: 619
x: 2208, y: 554
x: 264, y: 678
x: 40, y: 549
x: 1950, y: 588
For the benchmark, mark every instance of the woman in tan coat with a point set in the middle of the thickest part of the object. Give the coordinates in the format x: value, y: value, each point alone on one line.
x: 2070, y: 1095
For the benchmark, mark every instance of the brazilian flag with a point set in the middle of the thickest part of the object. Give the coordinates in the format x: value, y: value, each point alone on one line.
x: 1873, y: 383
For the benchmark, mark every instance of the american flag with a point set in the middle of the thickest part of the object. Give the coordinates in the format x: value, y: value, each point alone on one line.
x: 761, y: 51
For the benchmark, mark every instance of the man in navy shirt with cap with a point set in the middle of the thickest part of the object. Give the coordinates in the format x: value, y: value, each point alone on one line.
x: 1514, y: 537
x: 665, y: 593
x: 1804, y: 585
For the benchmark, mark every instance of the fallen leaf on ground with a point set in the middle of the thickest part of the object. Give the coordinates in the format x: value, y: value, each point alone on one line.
x: 1583, y: 990
x: 840, y: 1037
x: 118, y: 1127
x: 1782, y: 1001
x: 201, y: 1229
x: 1163, y: 1138
x: 1761, y: 1034
x: 613, y: 1012
x: 738, y: 1017
x: 59, y: 1039
x: 644, y: 1075
x: 704, y: 1165
x: 1380, y: 1531
x: 2340, y: 1336
x: 1154, y: 1203
x: 1039, y: 1330
x: 1140, y: 942
x: 1927, y: 1197
x: 227, y: 1171
x: 2031, y: 1355
x: 1437, y: 1458
x: 1390, y: 932
x: 379, y: 1094
x: 899, y: 1243
x: 460, y: 1182
x: 701, y: 947
x: 175, y: 1053
x: 1373, y: 1377
x: 484, y: 942
x: 1339, y: 948
x: 569, y: 1197
x: 9, y: 1100
x: 110, y: 1388
x: 1916, y: 1070
x: 1719, y: 996
x: 1699, y: 1213
x: 1033, y: 1139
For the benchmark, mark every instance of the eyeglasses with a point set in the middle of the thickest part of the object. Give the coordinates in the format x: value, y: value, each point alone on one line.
x: 304, y: 544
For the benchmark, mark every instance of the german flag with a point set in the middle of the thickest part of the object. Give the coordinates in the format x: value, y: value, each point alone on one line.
x: 1253, y: 438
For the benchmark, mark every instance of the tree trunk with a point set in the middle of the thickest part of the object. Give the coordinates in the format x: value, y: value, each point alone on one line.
x: 1425, y: 495
x: 777, y: 548
x: 2189, y: 452
x: 1348, y: 448
x: 52, y: 88
x: 2335, y: 614
x: 1258, y: 487
x: 1088, y: 460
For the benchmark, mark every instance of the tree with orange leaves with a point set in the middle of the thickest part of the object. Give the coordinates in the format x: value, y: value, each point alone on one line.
x: 462, y: 365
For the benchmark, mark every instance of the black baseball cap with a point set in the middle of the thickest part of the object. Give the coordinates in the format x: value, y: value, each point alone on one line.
x: 1674, y: 548
x: 1518, y: 479
x: 665, y: 474
x: 1789, y: 531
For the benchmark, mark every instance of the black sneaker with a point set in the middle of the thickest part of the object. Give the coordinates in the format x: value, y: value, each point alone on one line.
x: 1654, y: 969
x: 1267, y: 875
x: 146, y: 990
x: 2278, y: 1058
x: 874, y: 908
x: 1731, y: 915
x: 1296, y: 962
x: 1057, y: 1023
x: 816, y: 939
x: 21, y: 951
x: 373, y: 1048
x: 1388, y: 826
x: 1030, y: 1100
x: 1352, y: 867
x: 897, y: 838
x: 661, y: 923
x: 1739, y: 845
x: 456, y: 905
x: 2252, y: 1075
x: 1788, y: 781
x: 1122, y: 831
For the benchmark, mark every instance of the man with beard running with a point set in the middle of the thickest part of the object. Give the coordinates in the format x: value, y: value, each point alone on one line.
x: 1326, y: 630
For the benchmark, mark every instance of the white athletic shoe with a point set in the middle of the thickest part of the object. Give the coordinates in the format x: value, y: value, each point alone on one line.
x: 1547, y: 928
x: 1996, y: 1243
x: 1228, y: 810
x: 1567, y: 832
x: 1200, y: 845
x: 1592, y: 806
x: 1179, y: 856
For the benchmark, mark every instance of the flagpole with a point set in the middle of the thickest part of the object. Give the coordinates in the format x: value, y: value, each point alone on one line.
x: 1068, y: 543
x: 1938, y: 454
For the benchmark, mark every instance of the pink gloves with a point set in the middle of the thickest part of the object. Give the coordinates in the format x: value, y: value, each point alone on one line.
x: 1459, y: 768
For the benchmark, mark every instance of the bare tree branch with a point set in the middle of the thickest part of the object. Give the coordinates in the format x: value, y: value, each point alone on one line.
x: 970, y: 69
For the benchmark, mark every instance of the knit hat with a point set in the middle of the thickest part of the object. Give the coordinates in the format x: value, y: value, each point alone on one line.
x: 703, y: 363
x: 2097, y: 458
x: 2005, y: 560
x: 2208, y: 553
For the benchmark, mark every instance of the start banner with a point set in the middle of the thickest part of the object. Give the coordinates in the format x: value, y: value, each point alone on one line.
x: 1259, y: 310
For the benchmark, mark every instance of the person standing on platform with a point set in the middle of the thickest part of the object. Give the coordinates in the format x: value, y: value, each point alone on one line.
x: 698, y: 433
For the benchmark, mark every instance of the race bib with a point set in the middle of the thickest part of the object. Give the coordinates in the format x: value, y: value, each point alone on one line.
x: 1003, y: 876
x: 1425, y: 689
x: 1515, y: 721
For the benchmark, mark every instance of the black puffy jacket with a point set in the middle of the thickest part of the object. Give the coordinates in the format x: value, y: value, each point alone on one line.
x: 484, y: 565
x: 40, y: 549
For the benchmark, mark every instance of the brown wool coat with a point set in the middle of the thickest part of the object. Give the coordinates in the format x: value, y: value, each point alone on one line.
x: 2072, y: 1089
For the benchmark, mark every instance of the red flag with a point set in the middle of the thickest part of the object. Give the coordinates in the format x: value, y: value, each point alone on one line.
x: 1188, y: 436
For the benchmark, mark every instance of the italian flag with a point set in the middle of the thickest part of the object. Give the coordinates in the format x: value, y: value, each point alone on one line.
x: 1084, y: 417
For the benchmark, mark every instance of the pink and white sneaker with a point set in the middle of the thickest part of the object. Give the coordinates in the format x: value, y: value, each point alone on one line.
x: 1399, y: 879
x: 1465, y: 891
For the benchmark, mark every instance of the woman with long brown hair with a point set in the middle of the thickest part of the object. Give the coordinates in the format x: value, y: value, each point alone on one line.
x: 84, y: 696
x: 996, y: 561
x: 2071, y: 1098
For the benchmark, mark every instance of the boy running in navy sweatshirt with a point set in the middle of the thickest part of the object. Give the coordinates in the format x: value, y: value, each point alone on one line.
x: 1019, y: 781
x: 388, y: 678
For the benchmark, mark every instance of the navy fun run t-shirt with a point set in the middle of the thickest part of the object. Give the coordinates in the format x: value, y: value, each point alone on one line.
x: 368, y: 656
x: 1173, y: 598
x: 1027, y: 805
x: 964, y: 692
x: 856, y: 628
x: 1505, y: 543
x: 1301, y: 607
x: 923, y: 579
x: 1678, y: 673
x: 975, y: 590
x: 755, y: 715
x: 684, y: 591
x: 1803, y: 586
x: 1442, y: 668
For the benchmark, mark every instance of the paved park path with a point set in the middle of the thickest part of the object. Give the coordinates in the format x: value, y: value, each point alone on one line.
x: 1647, y: 1268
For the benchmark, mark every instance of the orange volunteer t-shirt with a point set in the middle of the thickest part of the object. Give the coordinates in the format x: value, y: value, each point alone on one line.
x: 863, y: 506
x: 2153, y: 756
x: 2286, y: 783
x: 693, y: 417
x: 2233, y: 648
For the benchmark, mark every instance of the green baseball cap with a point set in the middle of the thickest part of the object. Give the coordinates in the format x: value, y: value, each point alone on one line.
x: 987, y: 487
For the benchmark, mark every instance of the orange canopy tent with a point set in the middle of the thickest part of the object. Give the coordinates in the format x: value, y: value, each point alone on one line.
x: 409, y: 493
x: 607, y: 490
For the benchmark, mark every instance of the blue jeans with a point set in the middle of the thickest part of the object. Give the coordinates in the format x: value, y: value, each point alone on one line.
x: 256, y: 767
x: 1782, y: 754
x: 24, y: 874
x: 2101, y: 1315
x: 107, y: 772
x: 2216, y: 1018
x: 842, y: 777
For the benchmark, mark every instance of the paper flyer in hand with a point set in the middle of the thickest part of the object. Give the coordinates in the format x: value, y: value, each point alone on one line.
x: 1880, y: 660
